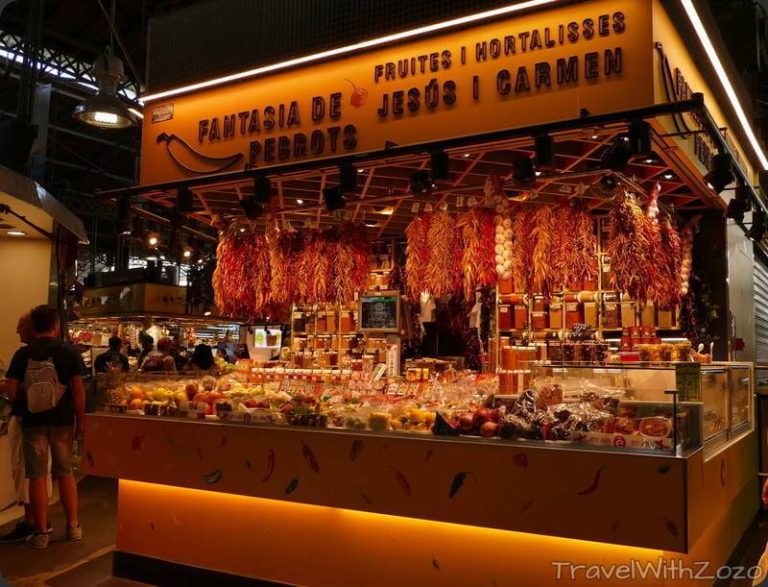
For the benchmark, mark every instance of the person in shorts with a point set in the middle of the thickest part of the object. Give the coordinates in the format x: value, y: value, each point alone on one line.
x: 26, y: 525
x: 52, y: 430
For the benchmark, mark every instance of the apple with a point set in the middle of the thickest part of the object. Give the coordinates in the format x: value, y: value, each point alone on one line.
x: 250, y: 403
x: 466, y: 423
x: 481, y: 416
x: 262, y: 404
x: 496, y: 415
x: 191, y: 389
x: 489, y: 429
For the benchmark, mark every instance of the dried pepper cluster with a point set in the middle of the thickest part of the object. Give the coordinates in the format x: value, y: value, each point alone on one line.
x: 447, y: 255
x: 257, y: 274
x: 237, y: 285
x: 647, y: 253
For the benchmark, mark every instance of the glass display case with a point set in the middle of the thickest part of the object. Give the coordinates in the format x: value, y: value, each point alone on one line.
x: 676, y: 408
x: 673, y: 409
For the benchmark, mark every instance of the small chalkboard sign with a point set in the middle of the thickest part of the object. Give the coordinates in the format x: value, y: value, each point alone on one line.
x: 380, y: 312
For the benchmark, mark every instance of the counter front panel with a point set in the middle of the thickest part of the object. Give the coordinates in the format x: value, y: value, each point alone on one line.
x: 619, y: 498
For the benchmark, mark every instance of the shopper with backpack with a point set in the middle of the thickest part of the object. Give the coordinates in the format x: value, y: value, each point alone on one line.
x: 49, y: 372
x: 25, y: 526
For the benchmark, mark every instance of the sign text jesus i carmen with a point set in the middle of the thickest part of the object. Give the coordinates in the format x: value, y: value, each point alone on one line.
x: 529, y: 70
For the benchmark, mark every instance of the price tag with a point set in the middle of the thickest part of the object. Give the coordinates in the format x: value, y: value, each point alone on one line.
x: 688, y: 382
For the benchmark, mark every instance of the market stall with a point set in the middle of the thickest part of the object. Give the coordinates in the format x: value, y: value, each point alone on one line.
x: 37, y: 238
x: 488, y: 275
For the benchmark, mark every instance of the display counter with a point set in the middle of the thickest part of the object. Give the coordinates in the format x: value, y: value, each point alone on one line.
x: 307, y: 506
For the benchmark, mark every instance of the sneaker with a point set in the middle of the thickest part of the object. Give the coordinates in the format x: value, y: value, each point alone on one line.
x: 74, y: 533
x: 18, y: 534
x: 37, y: 540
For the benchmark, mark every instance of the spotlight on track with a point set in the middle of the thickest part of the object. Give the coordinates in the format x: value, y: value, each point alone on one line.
x: 420, y: 182
x: 251, y: 207
x: 523, y: 172
x: 739, y: 205
x: 640, y: 139
x: 184, y: 200
x: 334, y: 198
x: 756, y: 232
x: 262, y: 189
x: 347, y: 179
x: 721, y: 173
x: 439, y: 165
x: 544, y: 146
x: 617, y: 156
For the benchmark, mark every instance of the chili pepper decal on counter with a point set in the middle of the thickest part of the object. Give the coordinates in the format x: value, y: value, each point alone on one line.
x: 722, y: 473
x: 402, y: 482
x: 310, y: 457
x: 595, y: 483
x: 89, y: 457
x: 436, y: 563
x: 354, y: 452
x: 213, y: 477
x: 292, y: 486
x: 367, y: 499
x: 270, y: 467
x: 521, y: 460
x: 248, y: 465
x: 137, y: 444
x: 429, y: 454
x: 458, y: 482
x: 670, y: 526
x: 664, y: 469
x: 526, y: 505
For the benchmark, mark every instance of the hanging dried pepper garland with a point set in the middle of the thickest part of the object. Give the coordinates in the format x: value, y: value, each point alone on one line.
x: 442, y: 275
x: 543, y: 226
x: 666, y: 290
x: 478, y: 228
x: 523, y: 227
x: 417, y: 257
x: 686, y: 244
x: 581, y: 257
x: 238, y: 289
x: 353, y: 259
x: 629, y: 249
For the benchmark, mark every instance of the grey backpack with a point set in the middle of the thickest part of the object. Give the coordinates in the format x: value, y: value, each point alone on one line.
x: 41, y: 383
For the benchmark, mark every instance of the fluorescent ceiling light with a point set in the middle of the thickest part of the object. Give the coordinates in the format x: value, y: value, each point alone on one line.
x: 439, y: 26
x: 701, y: 32
x: 16, y: 233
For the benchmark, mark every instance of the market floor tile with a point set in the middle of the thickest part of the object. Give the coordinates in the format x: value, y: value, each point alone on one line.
x: 24, y: 567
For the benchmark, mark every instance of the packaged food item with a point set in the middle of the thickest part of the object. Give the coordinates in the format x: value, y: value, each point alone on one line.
x: 555, y: 314
x: 505, y: 317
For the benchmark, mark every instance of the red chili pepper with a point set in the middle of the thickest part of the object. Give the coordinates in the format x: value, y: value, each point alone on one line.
x: 526, y: 505
x: 354, y: 452
x: 310, y: 457
x: 270, y: 466
x: 403, y: 482
x: 137, y: 444
x: 670, y: 526
x: 595, y: 483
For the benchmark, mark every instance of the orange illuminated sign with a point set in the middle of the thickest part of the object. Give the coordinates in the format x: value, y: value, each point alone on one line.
x: 523, y: 71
